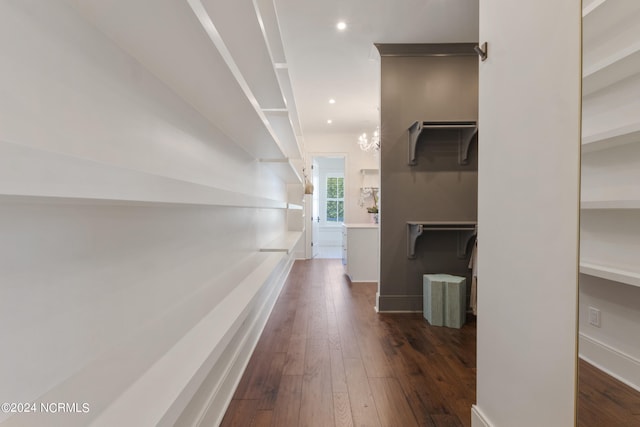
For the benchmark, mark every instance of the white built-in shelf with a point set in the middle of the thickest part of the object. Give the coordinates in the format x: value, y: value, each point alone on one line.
x: 465, y: 231
x: 610, y: 204
x: 601, y: 15
x: 282, y: 125
x: 612, y: 69
x: 187, y: 363
x: 248, y: 46
x: 284, y: 169
x: 285, y: 243
x: 28, y: 172
x: 282, y: 71
x: 611, y: 138
x: 466, y: 132
x: 610, y: 273
x: 590, y: 5
x: 369, y: 171
x: 294, y: 206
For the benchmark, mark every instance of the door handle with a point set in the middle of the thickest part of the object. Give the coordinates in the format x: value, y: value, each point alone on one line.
x: 318, y: 219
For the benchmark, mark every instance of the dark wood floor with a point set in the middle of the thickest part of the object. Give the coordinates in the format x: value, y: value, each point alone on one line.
x: 605, y: 401
x: 327, y: 359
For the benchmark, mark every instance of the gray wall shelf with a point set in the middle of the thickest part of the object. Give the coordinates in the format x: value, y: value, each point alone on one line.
x: 466, y: 230
x: 466, y: 132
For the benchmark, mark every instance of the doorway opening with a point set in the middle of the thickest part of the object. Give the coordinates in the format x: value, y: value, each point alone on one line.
x: 327, y: 205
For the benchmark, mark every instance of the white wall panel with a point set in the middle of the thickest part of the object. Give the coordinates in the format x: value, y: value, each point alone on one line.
x: 528, y: 201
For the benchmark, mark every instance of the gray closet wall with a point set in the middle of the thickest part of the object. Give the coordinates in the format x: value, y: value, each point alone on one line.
x: 427, y: 82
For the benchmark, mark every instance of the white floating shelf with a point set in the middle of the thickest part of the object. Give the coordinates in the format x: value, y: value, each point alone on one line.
x: 186, y: 365
x: 285, y: 170
x: 612, y: 138
x: 295, y: 207
x: 610, y: 273
x: 610, y: 204
x: 285, y: 243
x: 32, y: 172
x: 601, y: 15
x: 612, y: 69
x: 590, y: 6
x: 282, y: 125
x: 287, y: 91
x: 239, y: 27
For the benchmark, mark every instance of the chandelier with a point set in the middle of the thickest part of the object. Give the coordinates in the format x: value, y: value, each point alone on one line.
x: 370, y: 144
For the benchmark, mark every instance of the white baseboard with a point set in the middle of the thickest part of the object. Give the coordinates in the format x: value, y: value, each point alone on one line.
x: 619, y: 365
x: 478, y: 419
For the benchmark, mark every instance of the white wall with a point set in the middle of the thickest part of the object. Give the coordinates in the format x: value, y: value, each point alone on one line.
x: 528, y: 201
x: 610, y: 220
x: 94, y: 292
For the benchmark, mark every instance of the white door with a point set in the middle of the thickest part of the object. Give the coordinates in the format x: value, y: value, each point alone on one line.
x: 528, y: 204
x: 315, y: 203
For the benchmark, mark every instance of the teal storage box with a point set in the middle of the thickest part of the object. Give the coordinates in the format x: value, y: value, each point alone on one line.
x: 444, y: 300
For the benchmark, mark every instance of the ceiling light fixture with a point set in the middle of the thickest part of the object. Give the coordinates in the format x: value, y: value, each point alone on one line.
x: 332, y: 101
x: 329, y: 121
x: 341, y: 25
x: 370, y: 144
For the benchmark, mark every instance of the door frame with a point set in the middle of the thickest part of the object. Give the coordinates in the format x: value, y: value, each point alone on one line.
x: 310, y: 156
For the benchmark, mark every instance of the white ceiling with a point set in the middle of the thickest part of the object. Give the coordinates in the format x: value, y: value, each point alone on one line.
x: 325, y: 63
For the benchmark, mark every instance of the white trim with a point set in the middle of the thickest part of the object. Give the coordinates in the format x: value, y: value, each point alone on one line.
x: 619, y: 365
x: 478, y: 419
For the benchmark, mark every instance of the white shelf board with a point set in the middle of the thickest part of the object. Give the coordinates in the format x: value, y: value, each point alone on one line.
x: 295, y: 207
x: 271, y: 28
x: 611, y: 138
x: 285, y: 243
x: 214, y: 85
x: 612, y: 69
x: 285, y: 170
x: 285, y: 85
x: 610, y: 204
x: 32, y: 172
x: 283, y: 127
x: 610, y: 273
x: 239, y: 26
x: 601, y: 15
x: 186, y: 365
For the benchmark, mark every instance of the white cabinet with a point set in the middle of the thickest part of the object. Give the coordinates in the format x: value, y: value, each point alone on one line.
x: 360, y: 249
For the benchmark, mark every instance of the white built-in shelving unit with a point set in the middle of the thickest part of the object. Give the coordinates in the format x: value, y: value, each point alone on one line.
x: 610, y: 199
x: 123, y: 132
x: 611, y: 129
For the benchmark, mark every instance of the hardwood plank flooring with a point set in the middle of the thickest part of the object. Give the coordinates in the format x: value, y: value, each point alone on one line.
x: 326, y: 359
x: 605, y: 401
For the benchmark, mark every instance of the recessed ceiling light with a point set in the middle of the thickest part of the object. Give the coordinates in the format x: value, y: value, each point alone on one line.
x: 329, y: 121
x: 341, y: 25
x: 332, y: 101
